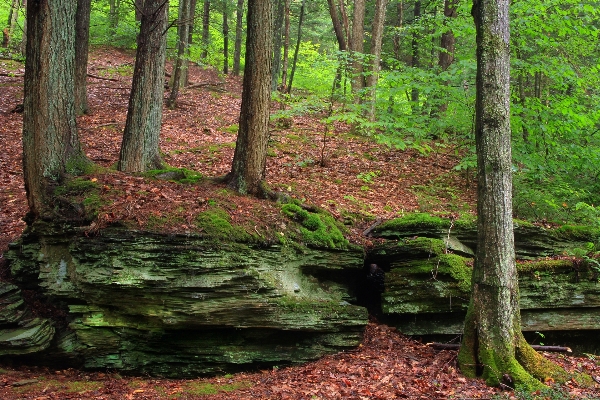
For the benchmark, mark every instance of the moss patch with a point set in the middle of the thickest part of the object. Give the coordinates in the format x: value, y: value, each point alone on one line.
x: 179, y: 175
x: 317, y: 229
x: 578, y: 232
x: 205, y: 388
x: 216, y: 224
x: 414, y: 221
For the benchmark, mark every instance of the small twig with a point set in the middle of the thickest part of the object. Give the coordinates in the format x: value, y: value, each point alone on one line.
x: 374, y: 225
x: 103, y: 78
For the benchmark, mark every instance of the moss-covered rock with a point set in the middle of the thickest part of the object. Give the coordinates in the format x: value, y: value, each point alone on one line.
x: 317, y: 229
x: 186, y: 305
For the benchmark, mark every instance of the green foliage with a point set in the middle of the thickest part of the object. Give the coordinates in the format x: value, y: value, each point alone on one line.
x: 179, y: 175
x: 317, y: 229
x: 76, y: 186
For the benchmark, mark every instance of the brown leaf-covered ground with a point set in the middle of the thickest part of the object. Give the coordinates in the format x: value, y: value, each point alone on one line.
x: 354, y: 178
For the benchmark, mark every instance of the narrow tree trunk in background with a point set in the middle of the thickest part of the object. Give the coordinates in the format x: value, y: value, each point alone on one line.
x: 493, y: 345
x: 183, y: 35
x: 375, y: 63
x: 357, y: 49
x: 185, y: 63
x: 447, y: 43
x: 225, y: 39
x: 337, y: 25
x: 249, y: 161
x: 237, y: 50
x: 415, y: 62
x: 398, y: 25
x: 277, y: 39
x: 140, y: 150
x: 205, y: 30
x: 286, y: 47
x: 51, y: 145
x: 297, y: 49
x: 24, y: 38
x: 82, y: 35
x: 113, y: 17
x: 13, y: 17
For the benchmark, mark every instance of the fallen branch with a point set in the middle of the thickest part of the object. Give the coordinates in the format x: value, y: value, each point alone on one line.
x: 367, y: 232
x: 103, y: 78
x: 213, y: 86
x: 11, y: 75
x: 456, y: 346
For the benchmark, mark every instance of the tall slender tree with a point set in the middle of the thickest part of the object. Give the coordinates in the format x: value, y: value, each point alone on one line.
x: 205, y: 30
x: 375, y: 59
x: 298, y: 42
x: 82, y: 35
x: 51, y: 145
x: 183, y: 35
x: 277, y: 40
x: 239, y: 30
x: 225, y: 38
x: 249, y: 161
x: 139, y: 150
x: 493, y: 345
x: 357, y: 48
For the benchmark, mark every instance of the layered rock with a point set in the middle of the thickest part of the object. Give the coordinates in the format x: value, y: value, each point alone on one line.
x: 182, y: 305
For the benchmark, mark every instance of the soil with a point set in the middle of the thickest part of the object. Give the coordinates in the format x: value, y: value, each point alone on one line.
x: 330, y: 167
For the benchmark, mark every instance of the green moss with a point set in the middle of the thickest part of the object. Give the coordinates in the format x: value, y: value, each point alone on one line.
x: 459, y: 270
x: 317, y: 229
x: 578, y: 232
x: 179, y: 175
x: 216, y: 224
x: 205, y: 388
x: 544, y: 265
x: 430, y: 245
x: 414, y: 220
x: 76, y: 186
x: 80, y: 166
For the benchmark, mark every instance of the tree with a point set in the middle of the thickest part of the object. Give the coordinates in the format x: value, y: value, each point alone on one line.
x: 249, y: 161
x: 82, y: 35
x: 183, y: 36
x: 237, y: 47
x: 297, y: 49
x: 374, y: 61
x: 447, y: 43
x: 225, y: 39
x: 493, y: 345
x: 139, y: 150
x: 51, y: 147
x: 205, y: 30
x: 277, y: 41
x: 357, y: 48
x: 286, y: 45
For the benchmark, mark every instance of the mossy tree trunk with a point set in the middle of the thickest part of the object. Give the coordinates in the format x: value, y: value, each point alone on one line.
x: 50, y: 142
x: 493, y: 346
x: 250, y: 158
x: 82, y: 35
x: 140, y: 150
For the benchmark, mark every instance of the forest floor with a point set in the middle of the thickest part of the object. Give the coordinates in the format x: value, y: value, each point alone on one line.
x: 350, y: 175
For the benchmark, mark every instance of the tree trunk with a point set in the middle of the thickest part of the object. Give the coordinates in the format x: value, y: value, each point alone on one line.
x: 374, y: 64
x: 415, y: 61
x: 185, y: 64
x: 297, y: 49
x: 225, y: 39
x: 24, y: 38
x: 113, y: 17
x: 249, y: 161
x: 13, y: 16
x: 493, y: 345
x: 357, y: 49
x: 286, y: 47
x: 51, y: 145
x: 205, y: 30
x: 277, y: 39
x: 337, y: 25
x: 139, y: 6
x: 82, y: 35
x: 399, y: 19
x: 139, y: 150
x: 447, y: 43
x: 183, y: 35
x: 237, y: 50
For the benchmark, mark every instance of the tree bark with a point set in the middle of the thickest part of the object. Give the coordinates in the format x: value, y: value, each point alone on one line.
x: 286, y: 46
x: 113, y: 17
x: 183, y: 35
x: 447, y: 43
x: 337, y: 26
x: 139, y: 6
x: 357, y: 49
x: 493, y: 346
x: 140, y: 150
x: 415, y: 61
x: 24, y: 38
x: 205, y: 30
x: 277, y: 39
x: 51, y: 145
x: 374, y: 64
x: 82, y: 35
x: 249, y: 161
x: 297, y: 49
x: 185, y: 72
x: 237, y: 49
x: 225, y: 39
x: 13, y: 16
